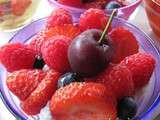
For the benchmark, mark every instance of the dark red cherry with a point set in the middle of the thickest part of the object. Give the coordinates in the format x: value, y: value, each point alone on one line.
x: 91, y: 51
x: 87, y: 56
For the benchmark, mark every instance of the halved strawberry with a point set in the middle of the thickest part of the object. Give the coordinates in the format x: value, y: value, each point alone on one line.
x: 23, y: 82
x: 42, y: 94
x: 67, y: 30
x: 20, y: 6
x: 83, y: 101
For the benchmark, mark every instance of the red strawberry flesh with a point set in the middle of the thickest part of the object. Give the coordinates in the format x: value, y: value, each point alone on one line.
x: 41, y: 95
x: 78, y: 101
x: 23, y: 82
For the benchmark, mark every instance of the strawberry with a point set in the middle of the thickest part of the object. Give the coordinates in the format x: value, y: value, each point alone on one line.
x: 41, y: 95
x: 118, y: 77
x: 83, y: 101
x: 68, y: 30
x: 20, y: 6
x: 23, y: 82
x: 124, y: 43
x: 59, y: 16
x: 141, y: 66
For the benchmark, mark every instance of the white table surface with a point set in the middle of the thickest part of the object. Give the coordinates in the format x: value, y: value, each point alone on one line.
x: 138, y: 18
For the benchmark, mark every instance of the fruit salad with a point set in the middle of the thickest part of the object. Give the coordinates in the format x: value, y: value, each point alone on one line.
x: 101, y: 4
x: 15, y: 13
x: 152, y: 10
x: 78, y: 71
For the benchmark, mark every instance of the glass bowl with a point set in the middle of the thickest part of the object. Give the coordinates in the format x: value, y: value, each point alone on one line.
x: 153, y: 9
x: 147, y: 99
x: 15, y: 14
x: 123, y: 12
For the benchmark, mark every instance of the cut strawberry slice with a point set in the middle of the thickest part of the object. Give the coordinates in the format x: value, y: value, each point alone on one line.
x: 41, y: 95
x: 23, y: 82
x: 83, y: 101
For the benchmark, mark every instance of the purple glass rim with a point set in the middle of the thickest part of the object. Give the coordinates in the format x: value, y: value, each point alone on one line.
x: 2, y: 94
x: 149, y: 41
x: 82, y: 9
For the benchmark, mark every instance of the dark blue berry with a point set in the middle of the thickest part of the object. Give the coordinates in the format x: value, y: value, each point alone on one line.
x: 127, y: 108
x: 67, y: 79
x: 113, y: 5
x: 39, y: 63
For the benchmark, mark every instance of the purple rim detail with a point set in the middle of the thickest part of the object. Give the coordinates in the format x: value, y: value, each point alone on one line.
x: 30, y: 30
x: 123, y: 12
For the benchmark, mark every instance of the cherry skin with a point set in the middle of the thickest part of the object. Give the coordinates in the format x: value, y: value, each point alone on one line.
x: 88, y: 57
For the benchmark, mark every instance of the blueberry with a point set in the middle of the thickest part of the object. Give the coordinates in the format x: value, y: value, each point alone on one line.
x: 39, y: 63
x: 113, y: 5
x: 67, y: 79
x: 127, y: 108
